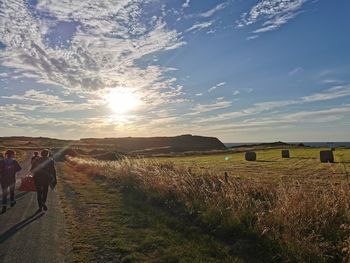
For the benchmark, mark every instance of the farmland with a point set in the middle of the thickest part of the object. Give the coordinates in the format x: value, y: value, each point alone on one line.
x: 304, y: 165
x: 293, y: 209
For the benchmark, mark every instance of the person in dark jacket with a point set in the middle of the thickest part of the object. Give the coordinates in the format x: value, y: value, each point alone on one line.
x: 44, y: 173
x: 8, y: 169
x: 35, y: 156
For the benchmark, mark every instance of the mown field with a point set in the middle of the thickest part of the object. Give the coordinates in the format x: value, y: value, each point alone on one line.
x: 271, y: 210
x: 304, y: 165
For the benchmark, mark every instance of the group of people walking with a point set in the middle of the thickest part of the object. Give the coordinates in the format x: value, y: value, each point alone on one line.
x: 43, y: 172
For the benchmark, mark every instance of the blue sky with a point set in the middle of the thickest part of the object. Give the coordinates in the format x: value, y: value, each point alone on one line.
x: 262, y: 70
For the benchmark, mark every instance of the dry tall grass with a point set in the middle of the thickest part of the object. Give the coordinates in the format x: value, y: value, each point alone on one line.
x: 306, y: 222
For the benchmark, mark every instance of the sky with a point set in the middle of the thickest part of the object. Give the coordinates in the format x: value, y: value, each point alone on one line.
x: 239, y: 70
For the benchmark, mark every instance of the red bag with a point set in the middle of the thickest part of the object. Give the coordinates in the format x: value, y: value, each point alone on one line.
x: 27, y: 184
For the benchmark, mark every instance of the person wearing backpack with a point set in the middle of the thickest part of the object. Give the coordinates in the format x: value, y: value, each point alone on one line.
x: 8, y: 169
x: 44, y: 173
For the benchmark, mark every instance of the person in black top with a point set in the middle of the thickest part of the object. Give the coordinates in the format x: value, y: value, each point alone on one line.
x: 8, y: 169
x: 35, y: 156
x: 44, y: 173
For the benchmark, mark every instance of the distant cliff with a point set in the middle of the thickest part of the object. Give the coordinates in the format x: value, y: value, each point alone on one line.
x: 181, y: 143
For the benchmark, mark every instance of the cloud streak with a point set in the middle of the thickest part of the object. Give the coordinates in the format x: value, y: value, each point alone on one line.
x: 214, y: 10
x: 217, y: 86
x: 271, y: 14
x: 199, y: 26
x: 261, y: 107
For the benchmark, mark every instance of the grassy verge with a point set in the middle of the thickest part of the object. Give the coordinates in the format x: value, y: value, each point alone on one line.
x: 106, y: 224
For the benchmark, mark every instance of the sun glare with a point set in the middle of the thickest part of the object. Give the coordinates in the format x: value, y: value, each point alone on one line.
x: 121, y: 101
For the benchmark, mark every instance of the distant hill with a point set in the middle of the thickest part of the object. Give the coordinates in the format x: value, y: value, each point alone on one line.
x: 265, y: 144
x: 137, y: 145
x: 180, y: 143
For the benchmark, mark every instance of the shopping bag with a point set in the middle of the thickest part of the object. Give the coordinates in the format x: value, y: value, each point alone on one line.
x: 27, y: 184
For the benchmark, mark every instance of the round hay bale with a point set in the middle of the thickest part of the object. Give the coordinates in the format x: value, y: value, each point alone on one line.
x: 250, y: 156
x: 326, y: 156
x: 285, y: 154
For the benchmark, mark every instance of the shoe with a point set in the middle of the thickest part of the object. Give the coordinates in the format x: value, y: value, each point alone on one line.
x: 45, y: 207
x: 4, y: 208
x: 13, y: 203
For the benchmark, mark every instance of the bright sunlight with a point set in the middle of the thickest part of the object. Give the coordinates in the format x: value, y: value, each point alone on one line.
x: 122, y: 101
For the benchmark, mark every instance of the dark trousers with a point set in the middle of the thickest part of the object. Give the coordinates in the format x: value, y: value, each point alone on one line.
x: 42, y: 187
x: 6, y: 186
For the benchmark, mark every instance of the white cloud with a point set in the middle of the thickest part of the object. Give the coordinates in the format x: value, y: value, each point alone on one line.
x: 39, y: 100
x: 295, y: 71
x: 261, y: 107
x: 199, y: 26
x: 216, y: 86
x: 280, y: 121
x: 108, y: 40
x: 252, y: 37
x: 186, y: 4
x: 110, y: 37
x: 332, y: 81
x: 329, y: 94
x: 236, y: 92
x: 320, y: 115
x: 272, y: 13
x: 202, y: 108
x: 212, y: 11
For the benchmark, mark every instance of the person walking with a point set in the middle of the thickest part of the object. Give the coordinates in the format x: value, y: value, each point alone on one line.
x: 35, y: 157
x: 8, y: 169
x: 44, y: 173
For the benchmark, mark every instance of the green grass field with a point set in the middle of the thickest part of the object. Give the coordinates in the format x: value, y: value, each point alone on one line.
x: 270, y: 166
x: 106, y: 224
x: 181, y: 209
x: 293, y: 210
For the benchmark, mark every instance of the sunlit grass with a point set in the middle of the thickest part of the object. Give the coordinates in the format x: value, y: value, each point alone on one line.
x: 106, y: 224
x: 298, y: 207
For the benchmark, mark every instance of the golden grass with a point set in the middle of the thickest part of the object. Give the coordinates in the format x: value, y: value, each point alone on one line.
x: 299, y: 219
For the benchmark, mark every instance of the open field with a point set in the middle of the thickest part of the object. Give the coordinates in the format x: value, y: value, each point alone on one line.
x: 304, y: 165
x: 106, y: 224
x: 294, y: 210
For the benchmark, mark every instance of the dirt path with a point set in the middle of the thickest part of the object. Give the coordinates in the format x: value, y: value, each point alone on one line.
x: 27, y: 236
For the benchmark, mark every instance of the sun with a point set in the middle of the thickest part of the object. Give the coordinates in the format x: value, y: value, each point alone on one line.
x: 122, y: 101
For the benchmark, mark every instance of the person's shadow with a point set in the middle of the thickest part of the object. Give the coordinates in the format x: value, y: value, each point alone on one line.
x: 18, y: 196
x: 13, y: 230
